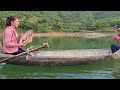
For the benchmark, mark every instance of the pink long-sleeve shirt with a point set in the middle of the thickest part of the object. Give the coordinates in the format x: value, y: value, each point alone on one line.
x: 10, y: 40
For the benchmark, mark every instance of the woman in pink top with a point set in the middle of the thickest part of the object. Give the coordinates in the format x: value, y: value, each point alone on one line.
x: 10, y: 37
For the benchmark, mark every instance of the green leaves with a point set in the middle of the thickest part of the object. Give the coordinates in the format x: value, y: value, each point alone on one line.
x: 68, y: 21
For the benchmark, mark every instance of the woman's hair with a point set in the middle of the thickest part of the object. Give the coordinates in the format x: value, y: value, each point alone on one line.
x: 9, y: 19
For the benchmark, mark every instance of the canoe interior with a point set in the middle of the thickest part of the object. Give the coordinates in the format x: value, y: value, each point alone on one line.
x: 74, y: 53
x: 68, y: 53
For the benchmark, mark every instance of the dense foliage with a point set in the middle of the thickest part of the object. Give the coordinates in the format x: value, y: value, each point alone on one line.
x: 65, y: 21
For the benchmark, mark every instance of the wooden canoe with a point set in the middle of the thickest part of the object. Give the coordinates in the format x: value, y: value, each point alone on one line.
x: 64, y: 57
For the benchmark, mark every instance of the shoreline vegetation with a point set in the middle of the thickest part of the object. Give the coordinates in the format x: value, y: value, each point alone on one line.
x: 65, y: 23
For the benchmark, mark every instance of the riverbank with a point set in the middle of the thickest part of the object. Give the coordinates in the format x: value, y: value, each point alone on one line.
x: 75, y: 34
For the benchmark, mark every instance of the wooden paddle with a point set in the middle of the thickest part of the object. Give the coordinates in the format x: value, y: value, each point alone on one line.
x: 44, y: 45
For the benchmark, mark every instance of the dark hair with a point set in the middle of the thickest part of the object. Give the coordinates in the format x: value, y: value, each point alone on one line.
x: 118, y: 25
x: 9, y: 19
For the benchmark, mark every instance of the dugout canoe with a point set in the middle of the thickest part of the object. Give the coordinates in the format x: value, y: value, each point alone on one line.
x: 64, y: 57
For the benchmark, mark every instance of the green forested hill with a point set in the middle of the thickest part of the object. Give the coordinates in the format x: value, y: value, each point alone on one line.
x: 67, y: 21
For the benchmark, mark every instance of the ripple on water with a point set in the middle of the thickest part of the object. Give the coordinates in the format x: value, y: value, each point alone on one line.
x: 3, y: 77
x: 94, y: 74
x: 1, y: 65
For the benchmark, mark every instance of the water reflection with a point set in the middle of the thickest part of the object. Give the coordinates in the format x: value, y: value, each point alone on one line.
x: 106, y: 70
x: 68, y: 43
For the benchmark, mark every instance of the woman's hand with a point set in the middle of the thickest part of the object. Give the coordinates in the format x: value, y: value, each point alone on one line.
x: 21, y: 44
x: 116, y: 37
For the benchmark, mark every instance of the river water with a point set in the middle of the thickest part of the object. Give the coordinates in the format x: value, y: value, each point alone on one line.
x: 106, y: 70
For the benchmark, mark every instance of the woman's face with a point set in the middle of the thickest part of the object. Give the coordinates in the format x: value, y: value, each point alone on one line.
x: 15, y: 23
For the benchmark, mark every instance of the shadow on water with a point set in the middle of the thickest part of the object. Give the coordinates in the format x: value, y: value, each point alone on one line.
x: 106, y: 70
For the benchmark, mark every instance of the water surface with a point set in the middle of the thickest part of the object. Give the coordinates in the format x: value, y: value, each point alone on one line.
x: 106, y: 70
